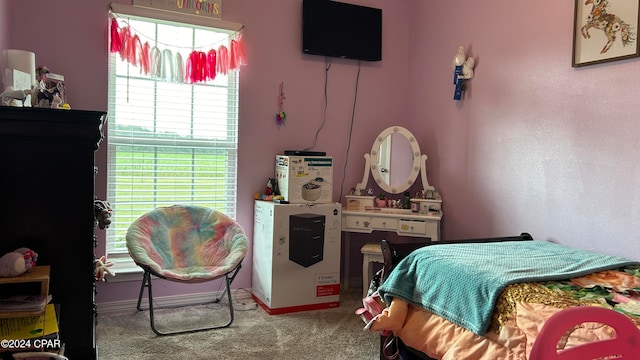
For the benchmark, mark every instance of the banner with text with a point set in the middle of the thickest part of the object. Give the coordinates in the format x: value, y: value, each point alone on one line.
x: 208, y: 8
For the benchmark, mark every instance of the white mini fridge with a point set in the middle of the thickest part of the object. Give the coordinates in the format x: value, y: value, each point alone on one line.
x: 296, y: 256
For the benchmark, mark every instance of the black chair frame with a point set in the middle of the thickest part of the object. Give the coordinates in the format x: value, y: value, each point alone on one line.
x: 146, y: 283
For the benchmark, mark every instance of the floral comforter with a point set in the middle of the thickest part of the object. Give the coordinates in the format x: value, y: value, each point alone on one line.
x: 520, y: 313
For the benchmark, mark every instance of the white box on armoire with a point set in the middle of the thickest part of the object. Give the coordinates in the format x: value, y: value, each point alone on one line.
x: 305, y: 179
x: 296, y: 256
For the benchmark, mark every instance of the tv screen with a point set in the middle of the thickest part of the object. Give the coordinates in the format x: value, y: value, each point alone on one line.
x: 336, y: 29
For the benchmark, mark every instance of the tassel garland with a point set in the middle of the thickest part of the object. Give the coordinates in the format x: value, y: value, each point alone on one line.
x: 166, y: 65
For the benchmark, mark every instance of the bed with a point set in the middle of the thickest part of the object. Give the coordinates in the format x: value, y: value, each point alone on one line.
x: 488, y: 298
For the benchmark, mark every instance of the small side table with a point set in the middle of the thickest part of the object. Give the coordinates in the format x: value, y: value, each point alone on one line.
x: 371, y: 252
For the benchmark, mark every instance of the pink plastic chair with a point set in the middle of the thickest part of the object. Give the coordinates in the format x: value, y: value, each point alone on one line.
x: 626, y: 344
x: 39, y: 356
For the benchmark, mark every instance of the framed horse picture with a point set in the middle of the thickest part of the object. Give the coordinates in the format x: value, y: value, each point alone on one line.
x: 605, y: 30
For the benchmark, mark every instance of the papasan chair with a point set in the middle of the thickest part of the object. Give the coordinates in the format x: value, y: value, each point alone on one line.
x: 186, y: 244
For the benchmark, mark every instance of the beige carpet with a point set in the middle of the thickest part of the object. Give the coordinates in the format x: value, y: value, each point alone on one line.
x: 321, y: 334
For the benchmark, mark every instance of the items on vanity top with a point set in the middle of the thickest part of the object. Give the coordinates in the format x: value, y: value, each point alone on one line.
x: 305, y: 179
x: 419, y: 206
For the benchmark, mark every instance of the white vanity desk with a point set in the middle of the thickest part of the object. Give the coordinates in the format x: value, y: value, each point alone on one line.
x: 364, y: 217
x: 402, y: 221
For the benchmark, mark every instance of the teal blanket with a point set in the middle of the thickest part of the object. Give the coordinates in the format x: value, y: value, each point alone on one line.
x: 461, y: 282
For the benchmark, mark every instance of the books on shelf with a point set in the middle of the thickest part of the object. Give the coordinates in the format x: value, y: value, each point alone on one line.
x: 28, y: 327
x: 24, y: 302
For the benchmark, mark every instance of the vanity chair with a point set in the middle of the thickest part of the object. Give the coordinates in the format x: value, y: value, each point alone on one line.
x: 394, y: 163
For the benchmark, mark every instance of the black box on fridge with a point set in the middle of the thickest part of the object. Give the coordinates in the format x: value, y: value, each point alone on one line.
x: 306, y: 238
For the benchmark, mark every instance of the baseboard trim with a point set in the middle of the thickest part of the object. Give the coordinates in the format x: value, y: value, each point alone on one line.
x: 126, y: 306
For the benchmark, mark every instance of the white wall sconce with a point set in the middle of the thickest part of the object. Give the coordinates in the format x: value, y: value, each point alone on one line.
x: 462, y: 71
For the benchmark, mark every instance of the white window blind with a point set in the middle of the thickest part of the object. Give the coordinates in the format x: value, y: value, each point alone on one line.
x: 169, y: 142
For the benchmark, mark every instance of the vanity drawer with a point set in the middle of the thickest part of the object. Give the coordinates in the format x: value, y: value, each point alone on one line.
x: 384, y: 223
x: 412, y: 226
x: 358, y: 222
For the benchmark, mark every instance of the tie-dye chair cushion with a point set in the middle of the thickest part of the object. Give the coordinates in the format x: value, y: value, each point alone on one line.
x: 186, y: 243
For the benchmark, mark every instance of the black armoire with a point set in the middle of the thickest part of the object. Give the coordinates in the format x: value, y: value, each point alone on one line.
x: 46, y: 204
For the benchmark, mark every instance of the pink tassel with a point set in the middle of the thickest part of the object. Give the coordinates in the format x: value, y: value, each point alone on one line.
x: 223, y: 60
x: 116, y: 39
x: 202, y: 66
x: 237, y: 56
x: 190, y: 67
x: 125, y: 36
x: 241, y: 51
x: 196, y: 68
x: 233, y: 57
x: 134, y: 45
x: 145, y: 59
x: 187, y: 69
x: 211, y: 64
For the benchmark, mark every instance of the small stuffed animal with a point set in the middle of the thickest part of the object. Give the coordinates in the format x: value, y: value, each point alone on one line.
x: 17, y: 262
x: 269, y: 189
x: 100, y: 268
x: 102, y: 213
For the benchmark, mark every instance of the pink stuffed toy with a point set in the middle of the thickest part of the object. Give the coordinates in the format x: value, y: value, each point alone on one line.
x: 373, y: 307
x: 101, y: 268
x: 17, y: 262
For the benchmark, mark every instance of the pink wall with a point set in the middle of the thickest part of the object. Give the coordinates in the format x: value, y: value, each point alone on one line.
x: 534, y: 146
x: 4, y: 27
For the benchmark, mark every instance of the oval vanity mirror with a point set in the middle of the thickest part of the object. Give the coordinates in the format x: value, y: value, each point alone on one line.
x: 395, y: 159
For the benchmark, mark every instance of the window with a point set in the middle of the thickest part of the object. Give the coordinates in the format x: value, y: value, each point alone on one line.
x: 169, y: 142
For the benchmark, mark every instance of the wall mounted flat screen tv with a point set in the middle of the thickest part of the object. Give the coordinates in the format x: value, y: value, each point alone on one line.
x: 337, y: 29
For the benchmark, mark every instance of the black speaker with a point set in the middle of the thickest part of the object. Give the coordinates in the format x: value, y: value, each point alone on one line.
x: 306, y: 238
